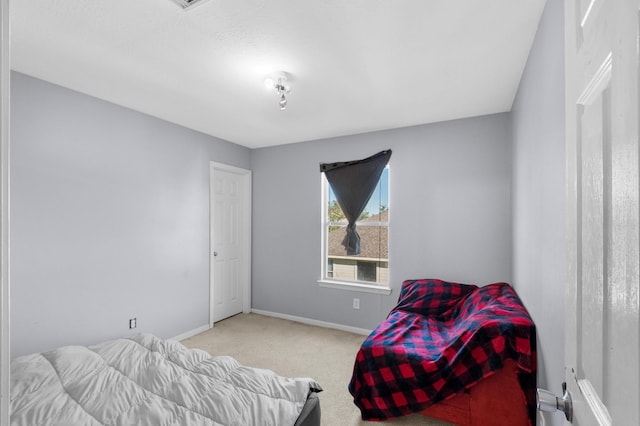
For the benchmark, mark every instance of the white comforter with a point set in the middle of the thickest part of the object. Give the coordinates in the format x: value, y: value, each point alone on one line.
x: 143, y: 380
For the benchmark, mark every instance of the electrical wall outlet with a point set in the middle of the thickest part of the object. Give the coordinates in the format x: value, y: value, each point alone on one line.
x: 356, y: 303
x: 133, y: 323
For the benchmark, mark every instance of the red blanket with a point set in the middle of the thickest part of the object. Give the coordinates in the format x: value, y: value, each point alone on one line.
x: 441, y: 339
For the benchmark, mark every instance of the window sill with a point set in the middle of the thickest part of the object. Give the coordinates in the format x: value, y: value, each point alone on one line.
x: 346, y: 285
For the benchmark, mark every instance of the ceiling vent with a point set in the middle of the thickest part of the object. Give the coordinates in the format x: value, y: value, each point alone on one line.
x: 188, y: 4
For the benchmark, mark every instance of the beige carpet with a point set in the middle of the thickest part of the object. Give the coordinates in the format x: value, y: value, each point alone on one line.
x: 298, y: 350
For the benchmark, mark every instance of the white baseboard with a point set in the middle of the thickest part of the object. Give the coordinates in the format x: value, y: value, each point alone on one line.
x: 191, y: 333
x: 318, y: 323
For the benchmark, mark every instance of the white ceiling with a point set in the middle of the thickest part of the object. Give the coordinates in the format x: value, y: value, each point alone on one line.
x: 356, y: 66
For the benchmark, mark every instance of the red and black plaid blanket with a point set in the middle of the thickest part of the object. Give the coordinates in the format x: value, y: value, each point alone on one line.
x: 441, y: 339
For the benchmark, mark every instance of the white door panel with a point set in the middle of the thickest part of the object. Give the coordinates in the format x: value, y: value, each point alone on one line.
x: 5, y: 76
x: 230, y: 241
x: 602, y: 336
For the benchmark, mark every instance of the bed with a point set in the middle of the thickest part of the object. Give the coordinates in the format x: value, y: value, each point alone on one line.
x: 143, y: 380
x: 457, y: 352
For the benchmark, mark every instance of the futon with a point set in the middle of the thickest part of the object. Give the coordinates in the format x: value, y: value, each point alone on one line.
x: 143, y: 380
x: 440, y: 344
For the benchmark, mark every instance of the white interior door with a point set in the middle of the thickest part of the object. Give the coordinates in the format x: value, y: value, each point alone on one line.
x: 230, y: 241
x: 602, y: 336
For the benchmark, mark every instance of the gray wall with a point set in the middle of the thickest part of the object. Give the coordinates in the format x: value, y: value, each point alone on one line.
x: 539, y: 261
x: 109, y: 219
x: 450, y: 206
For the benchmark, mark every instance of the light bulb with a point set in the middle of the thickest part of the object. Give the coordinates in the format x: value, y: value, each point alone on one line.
x: 283, y: 103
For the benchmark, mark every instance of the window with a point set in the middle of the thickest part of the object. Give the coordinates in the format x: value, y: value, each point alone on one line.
x: 330, y: 268
x: 367, y: 271
x: 370, y: 267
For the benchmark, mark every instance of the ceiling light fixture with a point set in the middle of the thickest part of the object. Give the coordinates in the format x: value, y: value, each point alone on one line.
x: 280, y: 83
x: 187, y: 4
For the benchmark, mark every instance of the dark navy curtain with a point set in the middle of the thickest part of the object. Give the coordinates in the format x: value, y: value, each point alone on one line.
x: 353, y: 183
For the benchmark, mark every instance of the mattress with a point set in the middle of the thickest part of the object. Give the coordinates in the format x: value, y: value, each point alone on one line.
x: 144, y: 380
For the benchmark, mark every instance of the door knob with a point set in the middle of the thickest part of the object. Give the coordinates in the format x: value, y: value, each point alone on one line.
x: 547, y: 401
x: 215, y: 253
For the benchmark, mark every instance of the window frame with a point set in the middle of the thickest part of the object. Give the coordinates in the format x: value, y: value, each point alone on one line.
x: 354, y: 285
